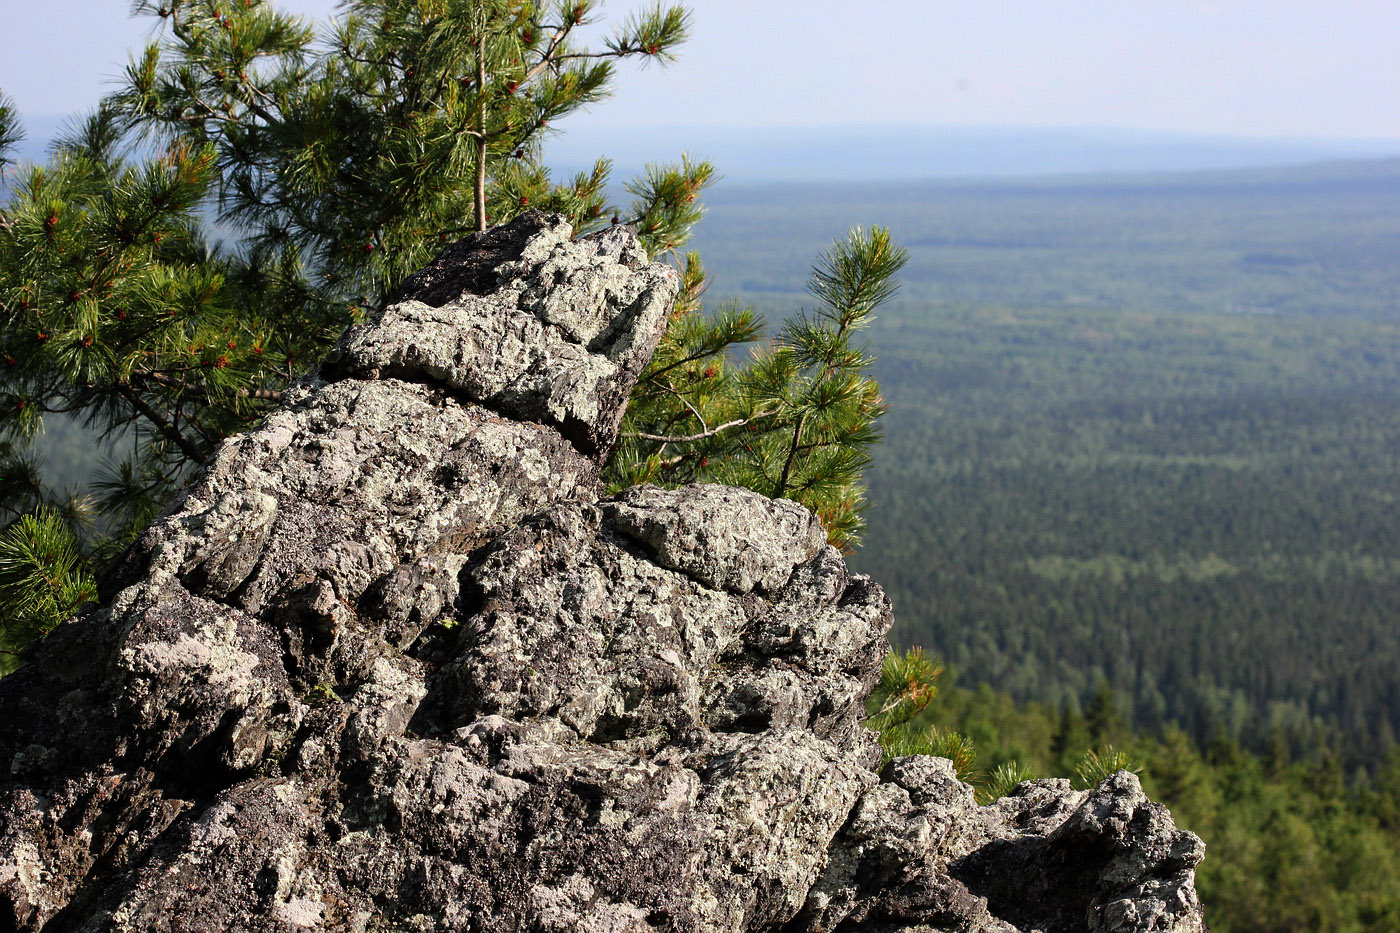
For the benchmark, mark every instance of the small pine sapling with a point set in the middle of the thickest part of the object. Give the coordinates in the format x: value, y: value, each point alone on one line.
x: 1101, y: 763
x: 1002, y: 780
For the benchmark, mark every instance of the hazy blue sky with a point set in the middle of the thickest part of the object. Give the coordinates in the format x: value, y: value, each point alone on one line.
x: 1252, y: 67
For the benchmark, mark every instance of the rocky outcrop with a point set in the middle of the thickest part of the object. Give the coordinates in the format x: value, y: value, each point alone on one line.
x: 393, y: 663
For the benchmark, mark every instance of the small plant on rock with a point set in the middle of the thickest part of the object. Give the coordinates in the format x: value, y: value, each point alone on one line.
x: 1101, y: 763
x: 1002, y: 780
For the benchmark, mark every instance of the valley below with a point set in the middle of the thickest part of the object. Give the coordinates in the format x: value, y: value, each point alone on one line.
x: 1138, y: 486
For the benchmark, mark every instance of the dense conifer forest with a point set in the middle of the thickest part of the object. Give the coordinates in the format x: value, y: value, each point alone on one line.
x: 1191, y: 495
x: 1139, y: 487
x: 1201, y: 510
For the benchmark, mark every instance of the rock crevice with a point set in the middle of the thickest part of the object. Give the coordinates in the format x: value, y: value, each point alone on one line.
x: 392, y: 662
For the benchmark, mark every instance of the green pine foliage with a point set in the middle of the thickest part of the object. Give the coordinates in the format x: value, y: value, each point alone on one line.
x: 1003, y: 779
x: 1100, y: 763
x: 953, y: 745
x: 411, y: 125
x: 117, y: 308
x: 906, y: 739
x: 43, y: 579
x: 908, y: 683
x: 166, y: 301
x: 11, y: 133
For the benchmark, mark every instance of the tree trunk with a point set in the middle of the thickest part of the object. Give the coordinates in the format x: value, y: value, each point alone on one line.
x: 481, y: 134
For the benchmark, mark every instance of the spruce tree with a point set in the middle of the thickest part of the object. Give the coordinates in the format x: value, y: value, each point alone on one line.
x: 1069, y: 740
x: 169, y: 299
x: 1101, y: 717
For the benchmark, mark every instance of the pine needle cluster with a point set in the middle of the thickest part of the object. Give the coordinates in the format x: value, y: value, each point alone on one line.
x: 43, y: 575
x: 796, y: 419
x: 1100, y: 763
x: 908, y: 684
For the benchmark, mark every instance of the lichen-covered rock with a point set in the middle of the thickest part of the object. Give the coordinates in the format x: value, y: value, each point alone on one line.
x: 556, y: 332
x: 391, y: 663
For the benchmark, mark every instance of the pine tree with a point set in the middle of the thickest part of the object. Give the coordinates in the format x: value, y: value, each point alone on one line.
x: 1069, y: 740
x: 170, y: 299
x: 361, y: 159
x: 335, y: 170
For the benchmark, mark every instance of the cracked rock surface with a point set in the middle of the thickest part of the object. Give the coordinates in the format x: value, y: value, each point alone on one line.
x: 393, y: 663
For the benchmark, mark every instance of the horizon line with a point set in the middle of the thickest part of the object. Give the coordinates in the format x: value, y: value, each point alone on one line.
x: 569, y: 125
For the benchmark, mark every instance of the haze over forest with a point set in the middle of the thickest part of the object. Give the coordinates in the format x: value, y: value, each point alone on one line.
x: 872, y: 153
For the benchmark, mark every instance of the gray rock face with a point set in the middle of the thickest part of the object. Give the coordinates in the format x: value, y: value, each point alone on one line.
x: 559, y: 337
x: 391, y: 664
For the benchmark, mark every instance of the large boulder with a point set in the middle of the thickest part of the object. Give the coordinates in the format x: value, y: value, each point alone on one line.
x: 392, y: 662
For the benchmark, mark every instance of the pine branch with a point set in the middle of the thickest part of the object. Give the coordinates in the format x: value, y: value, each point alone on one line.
x: 791, y: 457
x: 479, y: 191
x: 166, y: 428
x: 180, y: 385
x: 689, y: 438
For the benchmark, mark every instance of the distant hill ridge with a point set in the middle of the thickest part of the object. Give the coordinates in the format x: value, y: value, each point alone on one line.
x: 885, y: 153
x: 849, y: 154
